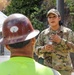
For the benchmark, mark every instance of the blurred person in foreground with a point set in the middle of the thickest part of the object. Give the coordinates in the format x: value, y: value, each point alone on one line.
x: 55, y: 43
x: 19, y: 37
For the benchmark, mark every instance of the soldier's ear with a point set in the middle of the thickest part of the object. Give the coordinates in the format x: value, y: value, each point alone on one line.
x: 59, y: 18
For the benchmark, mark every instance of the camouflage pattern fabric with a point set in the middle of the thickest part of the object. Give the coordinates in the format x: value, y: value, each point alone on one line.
x: 60, y: 58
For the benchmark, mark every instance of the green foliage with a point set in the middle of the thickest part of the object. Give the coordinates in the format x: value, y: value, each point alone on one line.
x: 70, y: 4
x: 21, y: 6
x: 72, y: 21
x: 30, y: 8
x: 34, y: 9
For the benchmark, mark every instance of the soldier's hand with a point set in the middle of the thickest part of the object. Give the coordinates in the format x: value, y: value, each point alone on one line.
x: 56, y: 38
x: 49, y: 48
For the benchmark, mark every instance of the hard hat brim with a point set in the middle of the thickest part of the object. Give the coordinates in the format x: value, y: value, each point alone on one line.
x: 31, y: 35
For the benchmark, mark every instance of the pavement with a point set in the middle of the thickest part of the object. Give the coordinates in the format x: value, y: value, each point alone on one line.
x: 7, y: 57
x: 4, y: 58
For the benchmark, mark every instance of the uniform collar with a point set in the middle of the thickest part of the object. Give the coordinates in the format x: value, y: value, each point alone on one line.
x: 57, y: 31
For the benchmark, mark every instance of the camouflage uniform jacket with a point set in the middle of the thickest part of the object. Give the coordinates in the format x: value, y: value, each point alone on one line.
x: 60, y: 59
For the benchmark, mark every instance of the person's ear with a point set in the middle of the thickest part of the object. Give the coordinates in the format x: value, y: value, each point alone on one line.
x: 7, y: 46
x: 59, y: 18
x: 33, y: 41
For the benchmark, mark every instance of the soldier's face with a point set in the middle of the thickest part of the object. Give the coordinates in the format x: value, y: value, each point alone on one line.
x: 53, y: 20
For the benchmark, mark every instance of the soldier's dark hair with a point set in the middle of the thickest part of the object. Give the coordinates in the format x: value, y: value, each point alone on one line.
x: 20, y: 44
x: 60, y: 23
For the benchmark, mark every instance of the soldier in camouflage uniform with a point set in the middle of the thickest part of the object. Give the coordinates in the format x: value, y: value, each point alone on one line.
x: 56, y: 53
